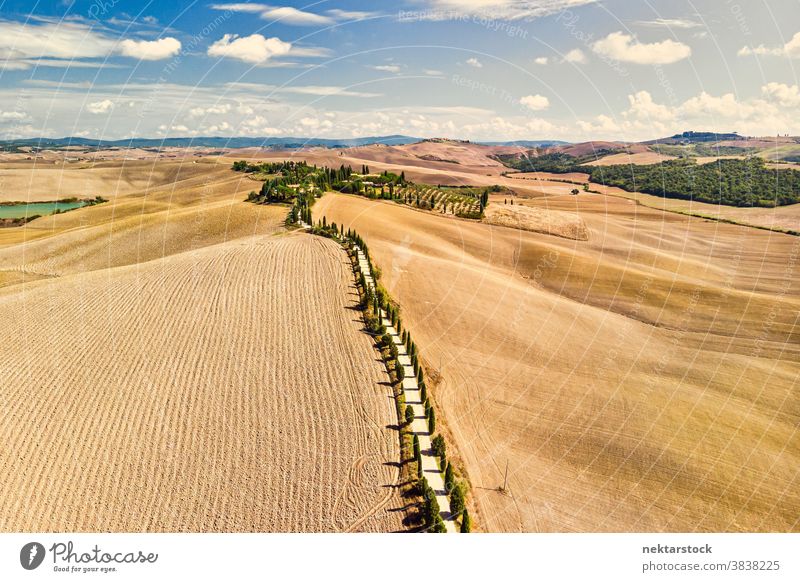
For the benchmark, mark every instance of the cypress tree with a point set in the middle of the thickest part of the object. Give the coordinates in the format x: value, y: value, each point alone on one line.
x: 438, y: 446
x: 438, y: 525
x: 420, y: 379
x: 449, y: 480
x: 466, y: 522
x: 417, y: 453
x: 423, y: 392
x: 432, y: 421
x: 457, y: 500
x: 409, y: 415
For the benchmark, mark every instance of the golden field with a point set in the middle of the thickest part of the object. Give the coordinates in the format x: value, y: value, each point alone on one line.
x: 175, y: 361
x: 643, y: 380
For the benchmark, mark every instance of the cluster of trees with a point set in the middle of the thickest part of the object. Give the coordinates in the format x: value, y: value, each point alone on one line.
x: 322, y: 228
x: 285, y: 180
x: 733, y: 182
x: 300, y: 211
x: 377, y: 186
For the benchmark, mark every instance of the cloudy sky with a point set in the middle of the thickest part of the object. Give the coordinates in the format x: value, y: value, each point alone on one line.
x: 471, y: 69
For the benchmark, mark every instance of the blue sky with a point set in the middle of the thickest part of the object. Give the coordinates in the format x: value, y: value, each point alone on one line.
x: 472, y: 69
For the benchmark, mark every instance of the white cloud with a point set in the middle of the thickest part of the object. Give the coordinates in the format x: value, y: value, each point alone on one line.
x: 241, y: 7
x: 492, y: 9
x: 350, y: 14
x: 540, y: 60
x: 62, y: 43
x: 319, y: 90
x: 644, y: 108
x: 684, y: 23
x: 217, y: 128
x: 387, y: 68
x: 724, y: 106
x: 14, y: 65
x: 623, y: 47
x: 216, y: 109
x: 171, y: 129
x: 473, y: 62
x: 785, y: 95
x: 13, y: 115
x: 575, y: 56
x: 293, y: 16
x: 100, y: 107
x: 62, y: 40
x: 433, y: 72
x: 251, y: 49
x: 70, y: 64
x: 289, y: 15
x: 150, y: 50
x: 791, y: 49
x: 535, y: 102
x: 602, y: 126
x: 509, y: 129
x: 325, y: 91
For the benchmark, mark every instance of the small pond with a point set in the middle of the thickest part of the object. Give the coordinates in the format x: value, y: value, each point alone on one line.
x: 41, y: 208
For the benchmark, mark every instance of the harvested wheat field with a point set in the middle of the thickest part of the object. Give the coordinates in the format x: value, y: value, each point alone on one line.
x: 645, y: 157
x: 553, y: 222
x: 645, y: 379
x: 184, y: 366
x: 224, y: 389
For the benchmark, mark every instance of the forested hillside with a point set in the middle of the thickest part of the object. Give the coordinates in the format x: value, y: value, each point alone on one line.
x: 734, y: 182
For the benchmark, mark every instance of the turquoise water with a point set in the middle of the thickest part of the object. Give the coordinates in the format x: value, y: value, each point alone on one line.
x: 40, y: 208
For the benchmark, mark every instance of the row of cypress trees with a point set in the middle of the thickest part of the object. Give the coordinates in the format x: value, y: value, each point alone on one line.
x: 379, y: 301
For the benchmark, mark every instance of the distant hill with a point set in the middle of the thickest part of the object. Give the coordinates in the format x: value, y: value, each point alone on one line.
x: 696, y: 137
x: 237, y: 142
x: 208, y: 142
x: 544, y: 143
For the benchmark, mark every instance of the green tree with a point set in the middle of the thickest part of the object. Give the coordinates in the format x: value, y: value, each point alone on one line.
x: 430, y: 507
x: 438, y: 446
x: 409, y: 415
x: 466, y: 522
x: 438, y: 525
x: 449, y: 479
x: 432, y: 421
x: 457, y: 499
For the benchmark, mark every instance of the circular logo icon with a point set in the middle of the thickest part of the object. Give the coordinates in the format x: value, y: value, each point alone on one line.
x: 31, y: 555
